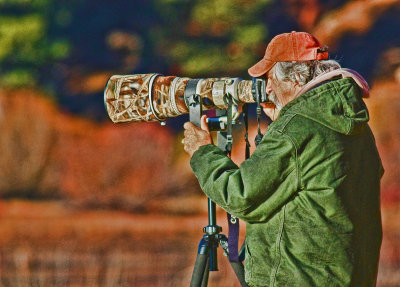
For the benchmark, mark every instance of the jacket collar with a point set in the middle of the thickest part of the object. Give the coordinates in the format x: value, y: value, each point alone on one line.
x: 335, y: 74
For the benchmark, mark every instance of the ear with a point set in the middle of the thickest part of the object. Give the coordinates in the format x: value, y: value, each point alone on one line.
x: 297, y: 83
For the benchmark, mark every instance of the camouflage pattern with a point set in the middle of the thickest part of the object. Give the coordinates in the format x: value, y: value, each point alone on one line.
x: 151, y: 97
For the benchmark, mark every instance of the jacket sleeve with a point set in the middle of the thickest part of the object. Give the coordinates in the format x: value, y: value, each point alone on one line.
x: 259, y: 187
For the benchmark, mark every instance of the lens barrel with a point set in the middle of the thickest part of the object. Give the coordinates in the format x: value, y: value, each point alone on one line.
x: 153, y: 97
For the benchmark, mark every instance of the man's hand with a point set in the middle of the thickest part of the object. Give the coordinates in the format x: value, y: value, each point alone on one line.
x: 195, y: 137
x: 270, y: 110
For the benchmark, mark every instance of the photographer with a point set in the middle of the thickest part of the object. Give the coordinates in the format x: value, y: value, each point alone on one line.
x: 310, y: 191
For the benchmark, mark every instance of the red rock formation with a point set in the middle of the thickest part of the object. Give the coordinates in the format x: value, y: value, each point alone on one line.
x: 305, y: 11
x: 355, y: 16
x: 384, y: 106
x: 49, y: 154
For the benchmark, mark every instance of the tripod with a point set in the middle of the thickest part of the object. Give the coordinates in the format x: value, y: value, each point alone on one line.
x: 207, y: 252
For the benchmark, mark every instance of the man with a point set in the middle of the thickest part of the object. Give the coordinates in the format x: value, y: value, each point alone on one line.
x: 309, y: 193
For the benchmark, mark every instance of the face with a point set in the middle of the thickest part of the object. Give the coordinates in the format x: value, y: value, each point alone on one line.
x: 280, y: 92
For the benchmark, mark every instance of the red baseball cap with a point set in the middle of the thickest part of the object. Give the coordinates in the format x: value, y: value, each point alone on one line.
x: 294, y: 46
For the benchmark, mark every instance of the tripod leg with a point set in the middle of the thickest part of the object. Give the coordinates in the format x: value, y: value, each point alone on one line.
x: 201, y: 265
x: 239, y: 271
x: 237, y: 267
x: 199, y: 270
x: 242, y: 252
x: 204, y: 283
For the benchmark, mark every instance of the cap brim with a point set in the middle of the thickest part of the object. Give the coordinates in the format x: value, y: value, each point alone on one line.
x: 261, y: 68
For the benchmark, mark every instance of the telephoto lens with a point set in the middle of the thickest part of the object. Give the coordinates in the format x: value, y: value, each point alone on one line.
x: 153, y: 97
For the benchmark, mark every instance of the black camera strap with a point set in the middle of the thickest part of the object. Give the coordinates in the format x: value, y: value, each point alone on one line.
x: 229, y: 138
x: 233, y: 239
x: 233, y: 221
x: 246, y: 126
x: 259, y: 135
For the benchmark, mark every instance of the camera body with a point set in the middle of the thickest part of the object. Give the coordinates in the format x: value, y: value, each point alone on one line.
x: 259, y: 90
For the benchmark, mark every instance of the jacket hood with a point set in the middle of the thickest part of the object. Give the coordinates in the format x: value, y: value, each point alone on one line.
x: 333, y: 100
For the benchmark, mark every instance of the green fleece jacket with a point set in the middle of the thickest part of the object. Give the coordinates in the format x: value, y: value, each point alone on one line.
x: 309, y: 194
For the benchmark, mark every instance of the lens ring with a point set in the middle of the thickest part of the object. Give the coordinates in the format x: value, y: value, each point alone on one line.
x: 150, y: 91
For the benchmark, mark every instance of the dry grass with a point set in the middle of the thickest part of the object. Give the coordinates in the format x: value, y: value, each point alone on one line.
x: 27, y: 266
x: 49, y: 244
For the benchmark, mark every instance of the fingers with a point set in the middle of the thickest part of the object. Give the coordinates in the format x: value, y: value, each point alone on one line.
x: 203, y: 124
x: 195, y: 136
x: 188, y: 149
x: 188, y: 133
x: 190, y: 129
x: 188, y: 125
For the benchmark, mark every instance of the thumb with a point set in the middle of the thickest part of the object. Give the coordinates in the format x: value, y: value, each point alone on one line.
x: 203, y: 124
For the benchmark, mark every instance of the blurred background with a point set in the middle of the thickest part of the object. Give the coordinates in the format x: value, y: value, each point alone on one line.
x: 85, y: 202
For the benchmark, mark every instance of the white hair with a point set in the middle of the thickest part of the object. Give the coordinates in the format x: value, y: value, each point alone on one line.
x: 303, y: 72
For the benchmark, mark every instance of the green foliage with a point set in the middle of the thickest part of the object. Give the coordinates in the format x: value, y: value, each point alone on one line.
x: 26, y: 42
x: 226, y: 13
x: 196, y: 38
x: 14, y: 2
x: 59, y: 49
x: 250, y: 36
x: 20, y: 37
x: 17, y: 78
x: 220, y: 37
x: 23, y: 3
